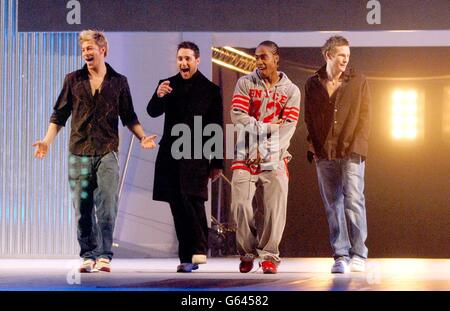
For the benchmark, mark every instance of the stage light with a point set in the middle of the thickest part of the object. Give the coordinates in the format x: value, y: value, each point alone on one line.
x: 407, y: 115
x: 233, y: 59
x: 229, y: 66
x: 446, y: 114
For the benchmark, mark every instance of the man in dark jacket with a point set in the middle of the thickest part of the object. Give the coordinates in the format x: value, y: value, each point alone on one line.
x: 337, y: 115
x: 189, y: 101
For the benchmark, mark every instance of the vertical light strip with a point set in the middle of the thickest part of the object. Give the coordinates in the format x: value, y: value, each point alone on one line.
x: 36, y: 217
x: 446, y: 114
x: 407, y: 115
x: 3, y: 71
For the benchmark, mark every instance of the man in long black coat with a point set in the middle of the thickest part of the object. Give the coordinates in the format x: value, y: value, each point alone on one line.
x: 190, y: 101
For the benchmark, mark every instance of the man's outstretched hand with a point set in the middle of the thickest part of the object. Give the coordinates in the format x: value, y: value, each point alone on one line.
x: 148, y: 142
x: 41, y: 149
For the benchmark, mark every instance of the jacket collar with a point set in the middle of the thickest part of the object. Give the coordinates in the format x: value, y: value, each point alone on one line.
x: 110, y: 72
x: 197, y: 76
x: 346, y: 75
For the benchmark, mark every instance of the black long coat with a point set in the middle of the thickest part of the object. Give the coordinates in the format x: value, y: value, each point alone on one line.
x: 193, y: 97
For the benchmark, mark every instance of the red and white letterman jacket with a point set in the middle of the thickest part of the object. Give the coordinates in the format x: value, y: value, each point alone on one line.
x: 254, y: 107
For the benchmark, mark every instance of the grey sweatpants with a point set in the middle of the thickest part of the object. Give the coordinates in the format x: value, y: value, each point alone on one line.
x: 275, y: 190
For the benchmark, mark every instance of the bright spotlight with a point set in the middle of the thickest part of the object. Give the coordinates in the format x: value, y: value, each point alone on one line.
x: 446, y: 114
x: 406, y: 115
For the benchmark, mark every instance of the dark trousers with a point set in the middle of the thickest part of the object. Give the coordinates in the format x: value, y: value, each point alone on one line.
x: 190, y: 225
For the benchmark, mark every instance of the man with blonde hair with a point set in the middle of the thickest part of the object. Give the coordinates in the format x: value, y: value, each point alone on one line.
x: 96, y: 96
x: 94, y: 35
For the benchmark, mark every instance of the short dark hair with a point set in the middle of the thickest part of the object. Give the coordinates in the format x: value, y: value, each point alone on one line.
x: 273, y: 48
x: 272, y: 45
x: 191, y: 46
x: 333, y: 42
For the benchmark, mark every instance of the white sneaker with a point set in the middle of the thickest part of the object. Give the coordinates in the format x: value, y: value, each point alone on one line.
x: 339, y: 266
x: 357, y: 264
x: 88, y: 266
x: 198, y: 259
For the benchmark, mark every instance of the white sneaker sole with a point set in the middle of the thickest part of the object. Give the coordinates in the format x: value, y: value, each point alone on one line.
x: 358, y: 269
x: 198, y: 259
x: 340, y: 269
x: 357, y: 265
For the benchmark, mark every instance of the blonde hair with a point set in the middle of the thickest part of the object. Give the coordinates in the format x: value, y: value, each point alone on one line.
x: 97, y: 36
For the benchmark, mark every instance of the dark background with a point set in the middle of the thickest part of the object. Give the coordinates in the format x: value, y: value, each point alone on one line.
x: 407, y: 184
x: 233, y: 15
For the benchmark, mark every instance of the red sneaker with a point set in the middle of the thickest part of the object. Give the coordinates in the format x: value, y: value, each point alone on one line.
x: 268, y: 267
x: 103, y: 264
x: 246, y: 264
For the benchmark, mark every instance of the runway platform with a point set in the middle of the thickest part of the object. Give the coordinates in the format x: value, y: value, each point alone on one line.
x: 221, y: 274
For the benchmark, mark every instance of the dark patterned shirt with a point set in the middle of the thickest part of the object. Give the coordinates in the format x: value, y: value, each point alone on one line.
x: 95, y: 118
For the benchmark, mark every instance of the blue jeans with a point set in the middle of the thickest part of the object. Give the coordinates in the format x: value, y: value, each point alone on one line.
x: 341, y: 184
x: 94, y: 182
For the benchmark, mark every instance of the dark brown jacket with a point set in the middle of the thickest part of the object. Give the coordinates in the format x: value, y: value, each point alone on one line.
x: 340, y: 125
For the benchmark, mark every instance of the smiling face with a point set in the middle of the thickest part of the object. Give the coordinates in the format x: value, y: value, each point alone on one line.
x: 93, y: 55
x: 338, y: 58
x: 187, y: 63
x: 266, y: 61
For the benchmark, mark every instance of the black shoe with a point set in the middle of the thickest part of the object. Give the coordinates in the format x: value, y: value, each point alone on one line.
x: 187, y: 267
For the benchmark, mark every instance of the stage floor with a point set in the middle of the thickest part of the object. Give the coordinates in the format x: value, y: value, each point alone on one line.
x: 221, y: 274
